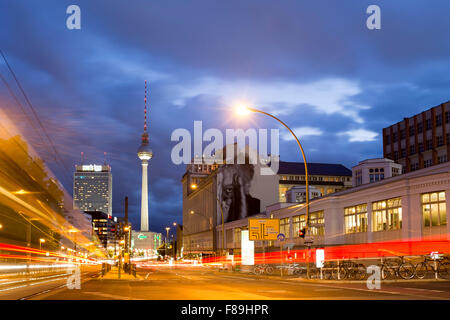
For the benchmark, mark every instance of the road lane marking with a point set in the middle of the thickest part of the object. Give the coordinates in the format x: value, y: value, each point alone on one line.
x: 111, y: 296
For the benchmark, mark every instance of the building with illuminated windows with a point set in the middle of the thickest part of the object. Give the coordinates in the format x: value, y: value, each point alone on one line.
x: 105, y: 227
x: 92, y: 188
x: 411, y: 206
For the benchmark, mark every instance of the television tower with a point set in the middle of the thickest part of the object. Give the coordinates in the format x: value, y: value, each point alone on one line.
x: 145, y: 154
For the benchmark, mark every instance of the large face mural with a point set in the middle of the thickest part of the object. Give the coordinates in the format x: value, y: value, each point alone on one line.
x: 233, y: 191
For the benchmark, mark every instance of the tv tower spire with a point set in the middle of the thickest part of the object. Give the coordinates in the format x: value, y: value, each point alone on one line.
x: 145, y: 154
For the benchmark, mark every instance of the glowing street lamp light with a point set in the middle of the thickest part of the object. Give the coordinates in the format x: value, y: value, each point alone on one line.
x: 41, y: 241
x: 243, y: 110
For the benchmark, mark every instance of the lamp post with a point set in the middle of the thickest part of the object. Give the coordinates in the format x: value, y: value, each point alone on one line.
x: 194, y: 186
x: 167, y: 238
x: 244, y: 110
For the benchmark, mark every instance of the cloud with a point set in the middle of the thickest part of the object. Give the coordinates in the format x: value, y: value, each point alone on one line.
x: 359, y: 135
x: 327, y: 96
x: 301, y: 132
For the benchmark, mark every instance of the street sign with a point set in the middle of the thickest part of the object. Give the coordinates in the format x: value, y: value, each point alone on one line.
x: 281, y: 237
x: 263, y: 229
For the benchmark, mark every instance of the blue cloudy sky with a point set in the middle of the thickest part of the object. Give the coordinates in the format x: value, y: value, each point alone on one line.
x: 313, y: 63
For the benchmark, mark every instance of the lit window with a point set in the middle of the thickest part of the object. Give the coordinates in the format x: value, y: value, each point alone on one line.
x: 284, y: 227
x: 387, y: 214
x: 317, y: 223
x: 434, y: 209
x: 355, y: 218
x: 298, y: 223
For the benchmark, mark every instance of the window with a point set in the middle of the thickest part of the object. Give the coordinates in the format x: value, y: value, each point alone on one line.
x: 298, y: 223
x: 376, y: 176
x: 355, y: 219
x: 428, y: 124
x: 412, y: 131
x: 434, y: 209
x: 388, y: 139
x: 402, y: 134
x: 439, y: 141
x: 442, y: 159
x: 284, y: 227
x: 394, y: 137
x: 428, y: 163
x: 387, y: 214
x: 395, y: 155
x: 414, y: 166
x: 419, y: 127
x: 429, y: 144
x: 438, y: 119
x: 237, y: 235
x: 421, y: 147
x: 447, y: 117
x: 317, y: 223
x: 412, y: 149
x: 403, y: 153
x: 448, y: 138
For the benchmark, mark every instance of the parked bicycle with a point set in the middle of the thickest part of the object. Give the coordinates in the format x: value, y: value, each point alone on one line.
x: 348, y: 269
x: 439, y: 266
x: 263, y: 269
x: 397, y: 267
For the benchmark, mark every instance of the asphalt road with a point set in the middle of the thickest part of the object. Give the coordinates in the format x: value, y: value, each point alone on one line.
x: 170, y: 283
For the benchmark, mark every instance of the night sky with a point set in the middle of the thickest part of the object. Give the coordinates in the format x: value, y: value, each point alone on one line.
x: 313, y: 63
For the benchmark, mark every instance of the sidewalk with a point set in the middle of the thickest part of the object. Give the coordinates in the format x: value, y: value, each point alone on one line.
x: 290, y: 277
x: 114, y: 275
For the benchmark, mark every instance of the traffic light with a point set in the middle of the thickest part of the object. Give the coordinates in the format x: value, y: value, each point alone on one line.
x: 302, y: 233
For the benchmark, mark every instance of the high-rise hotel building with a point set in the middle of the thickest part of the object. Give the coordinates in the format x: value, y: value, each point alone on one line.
x: 420, y: 141
x: 92, y: 188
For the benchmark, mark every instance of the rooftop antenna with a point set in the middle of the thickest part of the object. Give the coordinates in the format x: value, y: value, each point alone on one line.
x: 145, y: 107
x: 104, y: 153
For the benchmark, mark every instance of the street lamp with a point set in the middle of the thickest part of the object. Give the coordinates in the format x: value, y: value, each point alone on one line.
x: 242, y: 110
x: 41, y: 241
x: 167, y: 237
